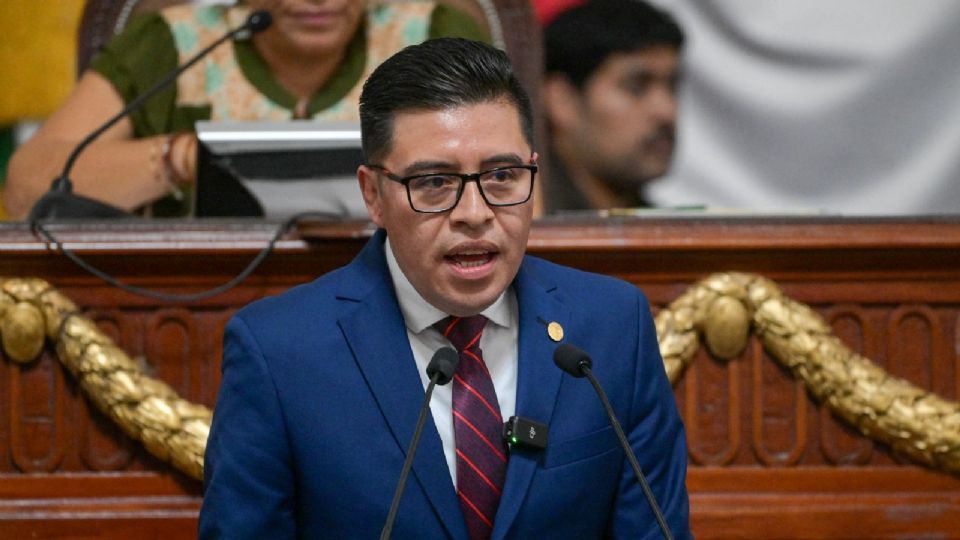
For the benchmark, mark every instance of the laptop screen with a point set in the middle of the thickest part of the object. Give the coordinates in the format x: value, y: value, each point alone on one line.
x: 276, y: 169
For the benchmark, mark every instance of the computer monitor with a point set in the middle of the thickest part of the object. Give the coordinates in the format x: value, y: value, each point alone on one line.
x: 276, y: 169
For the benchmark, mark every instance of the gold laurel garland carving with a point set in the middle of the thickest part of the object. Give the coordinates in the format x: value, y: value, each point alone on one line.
x: 146, y: 409
x: 722, y: 308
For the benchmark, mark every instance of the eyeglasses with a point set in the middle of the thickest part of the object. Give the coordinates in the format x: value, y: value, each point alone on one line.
x: 433, y: 193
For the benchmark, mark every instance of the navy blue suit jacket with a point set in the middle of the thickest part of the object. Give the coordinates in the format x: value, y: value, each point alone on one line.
x: 319, y: 400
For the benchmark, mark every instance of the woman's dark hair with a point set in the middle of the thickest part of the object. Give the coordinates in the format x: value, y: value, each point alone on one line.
x: 434, y: 75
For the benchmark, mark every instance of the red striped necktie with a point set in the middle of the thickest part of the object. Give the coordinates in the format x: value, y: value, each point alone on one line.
x: 478, y: 428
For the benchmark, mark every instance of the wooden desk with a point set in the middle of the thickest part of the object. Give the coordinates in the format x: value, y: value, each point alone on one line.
x: 766, y: 461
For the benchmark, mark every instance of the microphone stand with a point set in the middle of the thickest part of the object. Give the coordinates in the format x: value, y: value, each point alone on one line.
x: 407, y: 463
x: 441, y: 369
x: 588, y: 373
x: 576, y: 362
x: 59, y: 201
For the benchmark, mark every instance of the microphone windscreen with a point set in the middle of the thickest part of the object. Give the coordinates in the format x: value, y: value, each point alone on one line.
x: 259, y: 20
x: 571, y: 359
x: 443, y: 363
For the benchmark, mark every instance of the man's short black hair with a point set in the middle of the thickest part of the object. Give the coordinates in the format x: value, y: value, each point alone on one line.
x: 580, y: 39
x: 437, y: 74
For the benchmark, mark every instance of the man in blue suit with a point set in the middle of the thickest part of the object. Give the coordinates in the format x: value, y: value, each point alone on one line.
x: 322, y: 384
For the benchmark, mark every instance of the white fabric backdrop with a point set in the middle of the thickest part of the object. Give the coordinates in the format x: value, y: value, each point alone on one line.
x: 841, y: 106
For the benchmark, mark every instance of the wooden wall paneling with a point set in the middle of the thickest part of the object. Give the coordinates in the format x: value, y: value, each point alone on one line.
x: 779, y: 419
x: 36, y: 411
x: 840, y: 444
x: 956, y: 362
x: 767, y: 461
x: 711, y: 411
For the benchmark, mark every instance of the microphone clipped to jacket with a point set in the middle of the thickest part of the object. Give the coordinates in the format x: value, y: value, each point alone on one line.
x: 440, y: 370
x: 59, y: 202
x: 577, y: 363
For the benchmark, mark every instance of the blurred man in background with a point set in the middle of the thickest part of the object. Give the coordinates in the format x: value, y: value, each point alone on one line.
x: 612, y: 68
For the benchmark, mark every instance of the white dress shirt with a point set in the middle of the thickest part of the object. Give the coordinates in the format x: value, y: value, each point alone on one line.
x: 498, y: 343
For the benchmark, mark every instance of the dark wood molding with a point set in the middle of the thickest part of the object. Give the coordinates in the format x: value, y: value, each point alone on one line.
x: 766, y: 461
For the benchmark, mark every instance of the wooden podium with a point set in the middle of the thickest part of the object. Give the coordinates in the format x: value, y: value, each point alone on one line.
x: 766, y: 460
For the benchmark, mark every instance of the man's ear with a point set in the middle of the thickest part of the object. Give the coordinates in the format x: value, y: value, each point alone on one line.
x: 370, y: 188
x: 561, y: 102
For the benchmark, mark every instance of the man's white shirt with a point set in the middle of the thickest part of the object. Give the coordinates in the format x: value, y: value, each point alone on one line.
x: 498, y: 343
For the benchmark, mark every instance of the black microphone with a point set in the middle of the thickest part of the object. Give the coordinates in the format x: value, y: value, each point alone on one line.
x: 576, y: 362
x: 440, y: 370
x: 60, y: 201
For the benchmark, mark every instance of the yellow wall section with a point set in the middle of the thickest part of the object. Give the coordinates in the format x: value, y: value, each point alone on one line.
x: 37, y: 56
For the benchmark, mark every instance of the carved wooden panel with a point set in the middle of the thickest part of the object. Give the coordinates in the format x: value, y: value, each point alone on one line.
x: 750, y: 411
x: 766, y: 460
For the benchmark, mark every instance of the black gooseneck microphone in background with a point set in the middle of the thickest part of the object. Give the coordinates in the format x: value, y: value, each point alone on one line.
x: 60, y: 201
x: 440, y: 370
x: 577, y: 362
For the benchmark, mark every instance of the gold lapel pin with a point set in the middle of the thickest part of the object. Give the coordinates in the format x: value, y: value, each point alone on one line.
x: 555, y: 331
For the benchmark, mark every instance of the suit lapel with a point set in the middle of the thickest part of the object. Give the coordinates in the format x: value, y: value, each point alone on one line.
x: 538, y: 382
x: 388, y: 366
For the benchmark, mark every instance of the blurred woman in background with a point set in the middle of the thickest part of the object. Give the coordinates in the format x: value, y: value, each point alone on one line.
x: 310, y: 63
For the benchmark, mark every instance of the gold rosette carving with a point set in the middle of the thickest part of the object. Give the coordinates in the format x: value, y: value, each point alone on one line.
x: 722, y: 310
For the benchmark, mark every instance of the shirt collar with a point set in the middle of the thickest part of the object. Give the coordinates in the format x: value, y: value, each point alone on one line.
x: 418, y: 314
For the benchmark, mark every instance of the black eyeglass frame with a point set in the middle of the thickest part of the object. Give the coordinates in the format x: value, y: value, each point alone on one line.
x: 464, y: 178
